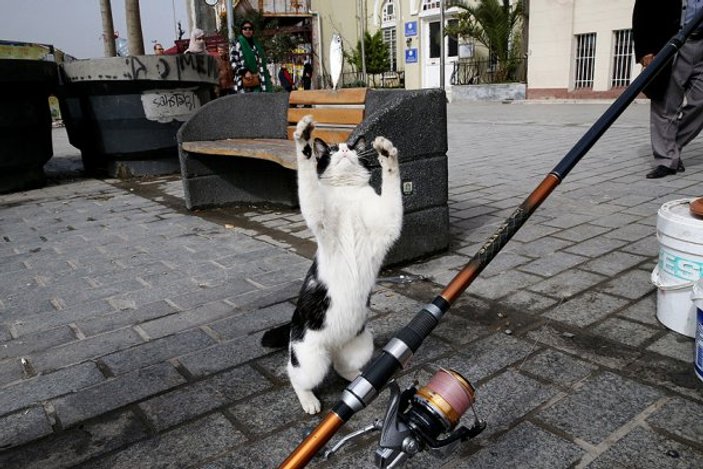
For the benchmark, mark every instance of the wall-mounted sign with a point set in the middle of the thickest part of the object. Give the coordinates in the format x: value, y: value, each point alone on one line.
x: 411, y: 28
x: 411, y: 56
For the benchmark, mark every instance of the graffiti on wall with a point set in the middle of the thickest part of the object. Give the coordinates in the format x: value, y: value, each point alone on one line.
x: 168, y: 105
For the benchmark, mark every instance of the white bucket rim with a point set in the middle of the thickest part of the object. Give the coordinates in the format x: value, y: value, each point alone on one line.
x: 655, y: 279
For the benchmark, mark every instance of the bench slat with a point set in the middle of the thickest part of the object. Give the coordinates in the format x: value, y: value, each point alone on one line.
x: 342, y: 96
x: 329, y: 135
x: 276, y: 150
x: 339, y: 116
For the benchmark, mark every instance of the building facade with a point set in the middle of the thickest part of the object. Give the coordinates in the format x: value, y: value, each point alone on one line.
x: 580, y: 48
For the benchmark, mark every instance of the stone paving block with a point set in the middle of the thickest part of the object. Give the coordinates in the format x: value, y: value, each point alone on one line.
x: 180, y: 405
x: 633, y: 284
x: 581, y: 232
x: 605, y: 403
x: 269, y: 411
x: 567, y: 284
x: 156, y: 351
x: 48, y: 386
x: 70, y: 448
x: 253, y: 320
x: 507, y: 398
x: 627, y: 332
x: 36, y: 342
x: 643, y: 311
x: 385, y: 300
x: 438, y: 265
x: 506, y: 260
x: 528, y: 301
x: 680, y: 417
x: 647, y: 247
x: 116, y: 392
x: 266, y: 297
x: 126, y: 317
x: 584, y: 347
x: 568, y: 220
x: 616, y: 220
x: 633, y: 232
x: 195, y: 443
x: 224, y: 355
x: 642, y: 448
x: 596, y: 247
x: 505, y: 284
x: 674, y: 345
x: 586, y: 309
x: 526, y: 446
x: 21, y: 427
x: 459, y: 331
x: 11, y: 370
x: 552, y: 264
x: 85, y: 349
x: 613, y: 263
x: 203, y: 314
x: 270, y: 451
x: 559, y: 368
x: 484, y: 357
x: 542, y: 246
x: 531, y: 231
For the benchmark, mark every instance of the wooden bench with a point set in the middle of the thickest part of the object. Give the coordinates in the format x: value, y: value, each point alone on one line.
x: 238, y: 150
x: 336, y: 113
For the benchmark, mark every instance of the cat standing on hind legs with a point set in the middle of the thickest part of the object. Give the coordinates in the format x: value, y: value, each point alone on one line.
x: 354, y: 228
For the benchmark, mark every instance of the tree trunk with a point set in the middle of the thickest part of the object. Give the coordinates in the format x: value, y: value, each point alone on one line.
x: 108, y: 28
x: 135, y: 41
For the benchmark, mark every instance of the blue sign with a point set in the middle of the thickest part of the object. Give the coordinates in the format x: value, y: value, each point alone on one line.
x: 411, y: 28
x: 410, y: 56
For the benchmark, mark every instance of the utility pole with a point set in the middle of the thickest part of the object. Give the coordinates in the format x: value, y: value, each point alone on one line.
x: 135, y: 41
x: 108, y: 28
x: 441, y: 44
x: 362, y: 26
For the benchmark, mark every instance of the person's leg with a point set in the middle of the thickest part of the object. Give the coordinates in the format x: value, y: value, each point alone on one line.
x: 691, y: 122
x: 664, y: 122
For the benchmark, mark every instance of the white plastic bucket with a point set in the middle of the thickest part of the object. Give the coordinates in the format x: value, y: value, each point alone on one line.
x: 680, y: 265
x: 697, y: 298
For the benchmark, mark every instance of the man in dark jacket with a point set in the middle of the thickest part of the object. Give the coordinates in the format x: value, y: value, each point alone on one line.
x: 672, y: 125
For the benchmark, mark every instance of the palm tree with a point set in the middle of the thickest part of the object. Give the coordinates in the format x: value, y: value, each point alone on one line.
x: 495, y: 24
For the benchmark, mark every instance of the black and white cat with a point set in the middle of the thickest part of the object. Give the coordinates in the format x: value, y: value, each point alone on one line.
x: 354, y: 228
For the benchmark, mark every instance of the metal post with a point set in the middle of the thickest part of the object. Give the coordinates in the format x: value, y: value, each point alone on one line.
x: 362, y: 26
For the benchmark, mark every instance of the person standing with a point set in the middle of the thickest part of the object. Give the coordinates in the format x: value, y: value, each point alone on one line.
x: 196, y: 45
x: 672, y: 124
x: 158, y: 49
x: 248, y: 61
x: 307, y: 75
x: 285, y: 78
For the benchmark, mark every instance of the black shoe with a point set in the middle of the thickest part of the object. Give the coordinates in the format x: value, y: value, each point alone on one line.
x: 680, y: 167
x: 660, y: 171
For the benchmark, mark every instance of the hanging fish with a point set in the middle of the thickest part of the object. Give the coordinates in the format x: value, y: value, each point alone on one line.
x: 336, y: 59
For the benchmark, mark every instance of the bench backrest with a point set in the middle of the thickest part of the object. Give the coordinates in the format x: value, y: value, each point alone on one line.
x: 336, y: 112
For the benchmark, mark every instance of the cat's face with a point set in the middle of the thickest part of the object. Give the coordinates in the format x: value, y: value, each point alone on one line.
x: 342, y: 164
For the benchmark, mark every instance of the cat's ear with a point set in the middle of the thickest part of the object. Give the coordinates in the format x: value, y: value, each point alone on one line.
x: 359, y: 145
x: 321, y: 148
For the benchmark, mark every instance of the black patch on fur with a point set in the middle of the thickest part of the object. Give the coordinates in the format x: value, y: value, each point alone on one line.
x: 307, y: 151
x: 307, y: 131
x: 313, y: 303
x: 294, y: 358
x: 278, y: 337
x: 323, y: 152
x: 359, y: 145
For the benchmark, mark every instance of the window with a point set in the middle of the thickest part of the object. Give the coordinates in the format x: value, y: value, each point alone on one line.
x: 585, y: 60
x: 388, y: 14
x: 389, y: 37
x: 452, y: 42
x: 430, y: 5
x: 622, y: 58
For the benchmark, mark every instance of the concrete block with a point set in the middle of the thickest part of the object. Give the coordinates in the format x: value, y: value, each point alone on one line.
x: 424, y: 232
x: 23, y: 426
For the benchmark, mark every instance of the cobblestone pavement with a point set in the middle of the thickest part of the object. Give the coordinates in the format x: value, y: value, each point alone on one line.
x: 129, y: 332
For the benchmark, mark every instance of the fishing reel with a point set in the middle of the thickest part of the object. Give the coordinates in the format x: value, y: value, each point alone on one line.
x: 422, y: 419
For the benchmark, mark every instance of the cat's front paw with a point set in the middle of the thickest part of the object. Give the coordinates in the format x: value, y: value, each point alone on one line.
x: 304, y: 129
x: 387, y: 153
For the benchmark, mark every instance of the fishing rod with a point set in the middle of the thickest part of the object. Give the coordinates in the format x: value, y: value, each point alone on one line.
x: 416, y: 418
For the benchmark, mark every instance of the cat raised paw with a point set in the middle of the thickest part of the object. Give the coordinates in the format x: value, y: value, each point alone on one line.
x: 304, y: 128
x: 387, y: 153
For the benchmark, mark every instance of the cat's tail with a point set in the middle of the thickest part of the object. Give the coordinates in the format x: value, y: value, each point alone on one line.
x: 278, y: 337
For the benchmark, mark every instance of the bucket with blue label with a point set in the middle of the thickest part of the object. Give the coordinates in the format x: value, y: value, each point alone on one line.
x: 697, y: 298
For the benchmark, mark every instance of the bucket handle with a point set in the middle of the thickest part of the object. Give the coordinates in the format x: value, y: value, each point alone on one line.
x: 656, y: 283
